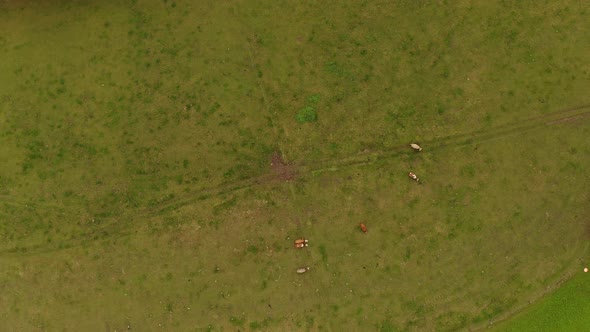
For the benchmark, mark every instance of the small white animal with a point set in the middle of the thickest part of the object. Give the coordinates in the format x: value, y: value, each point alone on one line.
x: 416, y: 147
x: 302, y: 269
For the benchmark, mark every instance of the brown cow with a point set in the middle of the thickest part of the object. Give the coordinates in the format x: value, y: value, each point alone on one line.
x: 363, y: 228
x: 300, y: 243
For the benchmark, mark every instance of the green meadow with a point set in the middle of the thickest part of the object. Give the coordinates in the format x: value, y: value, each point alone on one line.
x: 567, y: 309
x: 159, y: 158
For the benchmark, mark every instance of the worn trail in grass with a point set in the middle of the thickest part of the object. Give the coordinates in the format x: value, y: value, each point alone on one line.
x: 371, y: 157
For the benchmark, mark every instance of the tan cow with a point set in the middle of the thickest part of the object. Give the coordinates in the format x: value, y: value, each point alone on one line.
x: 416, y: 147
x: 302, y: 269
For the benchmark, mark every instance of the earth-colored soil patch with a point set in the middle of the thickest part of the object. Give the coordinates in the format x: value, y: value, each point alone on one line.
x: 282, y: 170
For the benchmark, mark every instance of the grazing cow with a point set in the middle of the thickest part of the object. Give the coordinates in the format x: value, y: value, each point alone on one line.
x: 416, y: 147
x: 413, y: 176
x: 300, y: 243
x: 302, y: 269
x: 363, y: 228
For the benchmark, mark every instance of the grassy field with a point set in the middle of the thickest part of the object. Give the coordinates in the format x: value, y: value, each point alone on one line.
x: 568, y: 309
x: 158, y: 158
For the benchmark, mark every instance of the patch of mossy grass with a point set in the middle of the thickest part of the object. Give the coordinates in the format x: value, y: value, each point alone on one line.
x: 307, y: 114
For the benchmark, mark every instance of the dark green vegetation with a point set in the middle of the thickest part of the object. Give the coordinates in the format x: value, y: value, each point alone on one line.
x: 568, y: 309
x: 136, y: 141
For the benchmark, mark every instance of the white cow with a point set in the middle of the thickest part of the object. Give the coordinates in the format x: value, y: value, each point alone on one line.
x: 302, y: 269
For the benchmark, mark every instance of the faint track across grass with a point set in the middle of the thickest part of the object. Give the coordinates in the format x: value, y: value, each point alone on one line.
x: 114, y: 224
x: 518, y: 127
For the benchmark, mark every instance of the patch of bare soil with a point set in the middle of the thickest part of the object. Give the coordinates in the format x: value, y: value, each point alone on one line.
x: 282, y: 170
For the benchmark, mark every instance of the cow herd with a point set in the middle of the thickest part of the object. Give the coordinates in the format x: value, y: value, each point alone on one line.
x: 302, y: 243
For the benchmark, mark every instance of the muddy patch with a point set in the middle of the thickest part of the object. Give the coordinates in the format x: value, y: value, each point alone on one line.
x: 282, y: 170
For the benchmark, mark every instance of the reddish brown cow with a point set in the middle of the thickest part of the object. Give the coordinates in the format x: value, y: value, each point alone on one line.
x: 363, y: 228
